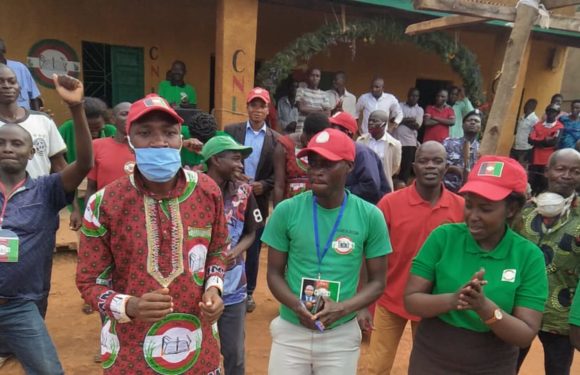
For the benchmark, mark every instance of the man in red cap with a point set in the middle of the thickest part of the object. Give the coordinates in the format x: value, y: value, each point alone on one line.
x: 258, y: 170
x: 344, y: 231
x: 151, y: 255
x: 367, y: 179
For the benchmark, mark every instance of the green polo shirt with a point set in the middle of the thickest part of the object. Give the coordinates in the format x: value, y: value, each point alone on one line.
x: 515, y: 271
x: 362, y: 234
x: 173, y: 93
x: 575, y: 309
x: 67, y: 131
x: 189, y: 158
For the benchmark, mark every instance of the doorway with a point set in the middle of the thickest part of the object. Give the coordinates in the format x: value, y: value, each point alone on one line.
x: 113, y: 73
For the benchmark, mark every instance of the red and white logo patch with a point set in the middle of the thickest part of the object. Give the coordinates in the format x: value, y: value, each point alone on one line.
x: 343, y: 245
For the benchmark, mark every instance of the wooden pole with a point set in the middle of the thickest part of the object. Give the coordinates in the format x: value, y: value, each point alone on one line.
x: 512, y: 64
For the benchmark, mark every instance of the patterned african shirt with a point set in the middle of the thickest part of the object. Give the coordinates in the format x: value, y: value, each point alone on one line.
x: 454, y: 148
x: 133, y: 243
x: 242, y: 216
x: 560, y: 244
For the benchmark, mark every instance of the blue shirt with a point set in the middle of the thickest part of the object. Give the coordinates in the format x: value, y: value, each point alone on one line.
x: 367, y: 180
x: 571, y: 132
x: 32, y: 213
x: 28, y: 88
x: 255, y: 140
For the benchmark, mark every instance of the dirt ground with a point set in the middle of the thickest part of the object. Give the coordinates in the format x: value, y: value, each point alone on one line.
x: 76, y: 335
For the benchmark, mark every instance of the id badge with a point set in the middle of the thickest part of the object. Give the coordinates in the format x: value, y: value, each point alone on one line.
x: 310, y: 289
x: 8, y: 246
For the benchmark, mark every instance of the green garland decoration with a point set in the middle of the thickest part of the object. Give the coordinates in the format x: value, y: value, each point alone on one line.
x: 461, y: 59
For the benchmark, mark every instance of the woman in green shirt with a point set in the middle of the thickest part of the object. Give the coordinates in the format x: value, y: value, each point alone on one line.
x: 479, y: 287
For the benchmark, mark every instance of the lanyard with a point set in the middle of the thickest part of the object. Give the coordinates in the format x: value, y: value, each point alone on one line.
x: 332, y: 232
x: 7, y: 197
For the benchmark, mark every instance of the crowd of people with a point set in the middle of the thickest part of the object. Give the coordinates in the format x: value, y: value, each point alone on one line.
x: 374, y: 200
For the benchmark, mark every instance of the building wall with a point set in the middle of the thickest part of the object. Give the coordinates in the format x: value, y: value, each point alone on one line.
x: 180, y: 29
x: 570, y: 86
x: 185, y: 29
x: 544, y: 76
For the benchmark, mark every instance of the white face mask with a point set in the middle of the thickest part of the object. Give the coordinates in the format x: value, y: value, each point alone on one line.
x: 552, y: 204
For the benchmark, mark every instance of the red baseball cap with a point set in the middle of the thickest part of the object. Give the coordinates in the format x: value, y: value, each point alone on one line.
x: 150, y: 103
x: 345, y: 120
x: 260, y: 93
x: 496, y: 177
x: 331, y: 144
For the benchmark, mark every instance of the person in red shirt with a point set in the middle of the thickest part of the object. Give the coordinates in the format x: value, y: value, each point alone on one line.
x: 291, y: 172
x: 411, y: 214
x: 545, y: 136
x: 438, y: 118
x: 152, y: 255
x: 113, y: 157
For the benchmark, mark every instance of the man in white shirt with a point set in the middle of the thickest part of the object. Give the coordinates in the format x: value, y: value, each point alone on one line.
x: 406, y: 132
x: 383, y: 144
x: 377, y: 99
x: 340, y: 99
x: 48, y: 145
x: 522, y: 150
x: 287, y: 109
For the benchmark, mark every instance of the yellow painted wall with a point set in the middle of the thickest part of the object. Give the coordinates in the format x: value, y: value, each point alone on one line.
x: 543, y: 80
x: 186, y: 29
x: 235, y: 56
x: 181, y: 29
x: 400, y: 64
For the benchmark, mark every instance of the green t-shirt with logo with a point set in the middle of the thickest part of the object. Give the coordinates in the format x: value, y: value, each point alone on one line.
x: 173, y: 94
x: 362, y: 234
x: 515, y: 271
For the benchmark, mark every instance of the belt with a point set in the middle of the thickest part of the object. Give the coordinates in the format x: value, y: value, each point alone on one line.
x: 4, y: 301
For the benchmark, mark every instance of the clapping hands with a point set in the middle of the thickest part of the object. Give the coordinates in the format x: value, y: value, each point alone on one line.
x: 471, y: 295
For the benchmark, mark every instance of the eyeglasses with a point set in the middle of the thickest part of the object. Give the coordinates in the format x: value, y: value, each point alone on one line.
x: 374, y: 124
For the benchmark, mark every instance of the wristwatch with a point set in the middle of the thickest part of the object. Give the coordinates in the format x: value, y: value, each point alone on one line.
x: 497, y: 316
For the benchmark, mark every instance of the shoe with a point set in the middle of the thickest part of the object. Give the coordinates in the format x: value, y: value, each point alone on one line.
x: 3, y: 360
x: 250, y: 304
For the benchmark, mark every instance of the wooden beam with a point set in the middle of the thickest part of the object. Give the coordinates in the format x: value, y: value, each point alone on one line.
x: 495, y: 12
x: 555, y: 4
x: 564, y: 23
x: 469, y: 8
x: 512, y: 66
x: 442, y: 24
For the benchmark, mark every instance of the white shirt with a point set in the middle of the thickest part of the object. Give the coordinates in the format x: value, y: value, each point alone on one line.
x: 348, y: 101
x: 388, y: 149
x: 368, y: 104
x: 525, y: 126
x: 406, y: 135
x: 46, y: 140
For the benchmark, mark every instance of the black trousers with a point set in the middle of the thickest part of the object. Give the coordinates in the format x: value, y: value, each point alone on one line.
x: 407, y: 159
x: 558, y: 353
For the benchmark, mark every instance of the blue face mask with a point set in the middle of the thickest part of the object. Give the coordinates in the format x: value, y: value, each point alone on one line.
x: 157, y: 164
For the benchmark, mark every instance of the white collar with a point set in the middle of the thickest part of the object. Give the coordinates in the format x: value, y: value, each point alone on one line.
x: 386, y: 137
x: 249, y: 127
